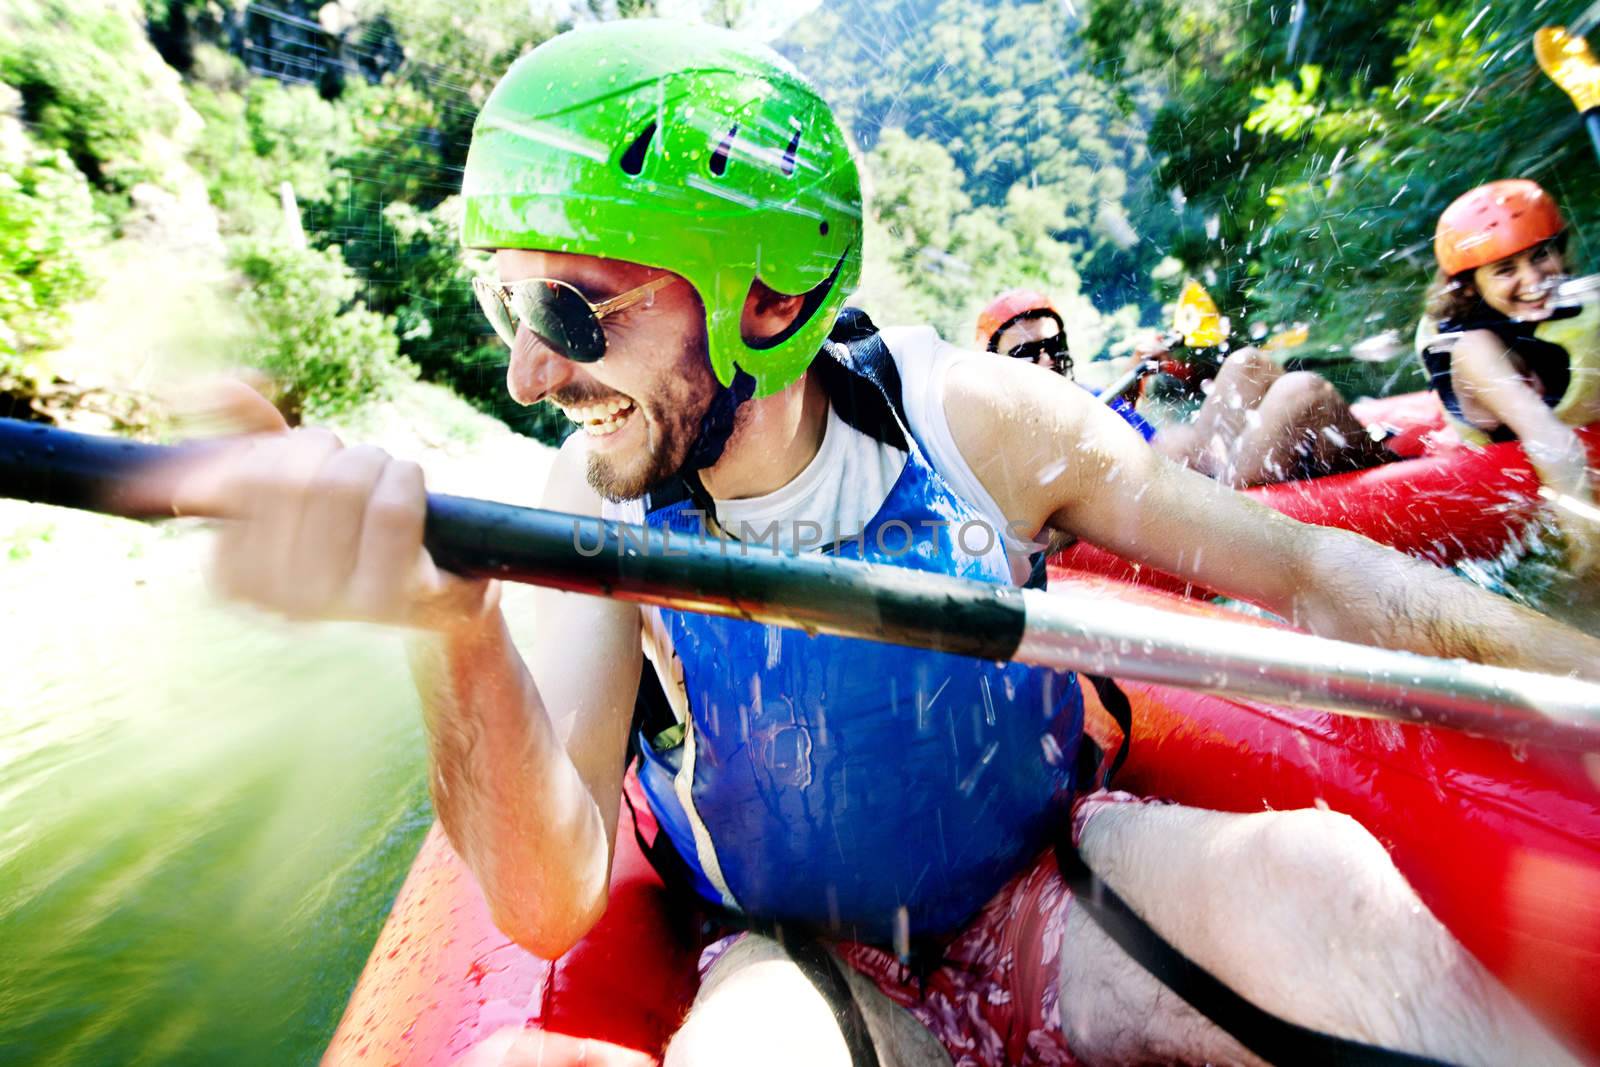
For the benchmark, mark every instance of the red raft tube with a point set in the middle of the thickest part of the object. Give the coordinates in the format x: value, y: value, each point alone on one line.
x: 1501, y: 842
x: 1446, y: 502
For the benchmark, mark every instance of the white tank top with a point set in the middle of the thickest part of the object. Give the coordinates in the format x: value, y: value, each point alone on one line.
x: 845, y: 484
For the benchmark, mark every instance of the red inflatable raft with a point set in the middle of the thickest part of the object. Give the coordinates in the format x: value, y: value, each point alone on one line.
x: 1446, y: 502
x: 1502, y: 843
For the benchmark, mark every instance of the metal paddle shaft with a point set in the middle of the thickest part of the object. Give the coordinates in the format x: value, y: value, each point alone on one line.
x: 1069, y: 630
x: 1124, y: 380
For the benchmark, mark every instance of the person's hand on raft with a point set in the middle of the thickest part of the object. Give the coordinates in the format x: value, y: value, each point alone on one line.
x: 312, y: 529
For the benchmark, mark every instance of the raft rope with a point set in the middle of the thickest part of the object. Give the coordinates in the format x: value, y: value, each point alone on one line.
x: 1274, y: 1039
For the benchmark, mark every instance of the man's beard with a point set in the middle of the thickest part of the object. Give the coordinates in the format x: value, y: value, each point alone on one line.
x: 674, y: 413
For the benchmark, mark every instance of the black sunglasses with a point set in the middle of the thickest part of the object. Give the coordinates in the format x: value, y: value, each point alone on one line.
x: 556, y: 313
x: 1054, y: 348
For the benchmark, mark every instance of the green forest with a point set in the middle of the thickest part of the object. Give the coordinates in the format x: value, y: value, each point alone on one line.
x: 1290, y: 154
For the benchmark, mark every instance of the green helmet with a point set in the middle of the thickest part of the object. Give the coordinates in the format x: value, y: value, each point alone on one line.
x: 686, y: 148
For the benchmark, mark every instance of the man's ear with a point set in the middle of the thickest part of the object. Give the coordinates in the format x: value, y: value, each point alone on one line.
x: 767, y: 313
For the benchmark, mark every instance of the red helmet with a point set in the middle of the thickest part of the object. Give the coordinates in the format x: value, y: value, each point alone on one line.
x: 1010, y: 306
x: 1494, y: 221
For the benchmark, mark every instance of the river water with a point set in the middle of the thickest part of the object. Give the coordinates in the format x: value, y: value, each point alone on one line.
x: 205, y: 813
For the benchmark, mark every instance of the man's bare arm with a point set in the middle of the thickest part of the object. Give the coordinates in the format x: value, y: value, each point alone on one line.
x: 1053, y: 458
x: 527, y: 775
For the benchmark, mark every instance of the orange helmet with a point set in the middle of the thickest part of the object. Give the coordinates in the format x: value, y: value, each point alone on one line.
x: 1010, y: 306
x: 1494, y: 221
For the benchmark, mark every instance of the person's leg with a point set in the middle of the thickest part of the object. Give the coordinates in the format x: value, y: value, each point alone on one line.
x: 756, y: 1005
x: 1208, y: 443
x: 1300, y: 912
x: 1303, y: 429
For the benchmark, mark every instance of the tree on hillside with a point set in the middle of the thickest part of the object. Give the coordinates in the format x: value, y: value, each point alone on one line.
x: 1033, y: 139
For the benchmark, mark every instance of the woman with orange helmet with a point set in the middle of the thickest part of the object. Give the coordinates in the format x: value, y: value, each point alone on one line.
x: 1509, y: 360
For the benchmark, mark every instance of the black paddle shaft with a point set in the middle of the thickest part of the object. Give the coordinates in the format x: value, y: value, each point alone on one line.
x: 582, y: 554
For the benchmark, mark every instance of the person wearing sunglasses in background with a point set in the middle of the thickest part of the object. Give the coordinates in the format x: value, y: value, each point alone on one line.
x: 676, y: 222
x: 1025, y: 324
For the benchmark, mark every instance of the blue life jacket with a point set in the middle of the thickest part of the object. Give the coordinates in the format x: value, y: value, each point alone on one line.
x: 874, y: 791
x: 1129, y: 414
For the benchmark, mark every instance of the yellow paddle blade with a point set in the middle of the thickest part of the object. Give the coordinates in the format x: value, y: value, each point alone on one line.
x: 1197, y: 318
x: 1293, y: 337
x: 1567, y: 60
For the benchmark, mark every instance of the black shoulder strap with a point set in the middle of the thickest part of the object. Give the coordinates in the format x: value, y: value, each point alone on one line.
x: 651, y: 716
x: 826, y: 976
x: 1091, y: 761
x: 859, y: 375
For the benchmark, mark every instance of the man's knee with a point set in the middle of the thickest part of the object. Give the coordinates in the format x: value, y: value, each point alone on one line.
x: 1308, y: 849
x: 755, y: 998
x: 1248, y: 364
x: 1322, y: 865
x: 1304, y: 393
x: 758, y: 1006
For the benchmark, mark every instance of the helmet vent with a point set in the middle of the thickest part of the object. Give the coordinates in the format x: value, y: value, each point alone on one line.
x: 633, y: 159
x: 789, y: 154
x: 719, y: 158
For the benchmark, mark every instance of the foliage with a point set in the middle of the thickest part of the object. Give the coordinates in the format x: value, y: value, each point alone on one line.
x: 307, y: 331
x: 961, y: 255
x: 253, y: 141
x: 996, y: 157
x: 47, y: 224
x: 391, y: 211
x: 407, y: 143
x: 458, y: 47
x: 1314, y: 154
x: 175, y: 25
x: 373, y: 171
x: 84, y: 90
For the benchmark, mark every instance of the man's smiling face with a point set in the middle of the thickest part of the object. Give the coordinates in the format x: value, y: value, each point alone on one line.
x: 640, y: 406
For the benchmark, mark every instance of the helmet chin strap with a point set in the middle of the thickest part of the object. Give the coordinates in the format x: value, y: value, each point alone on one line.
x: 716, y: 425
